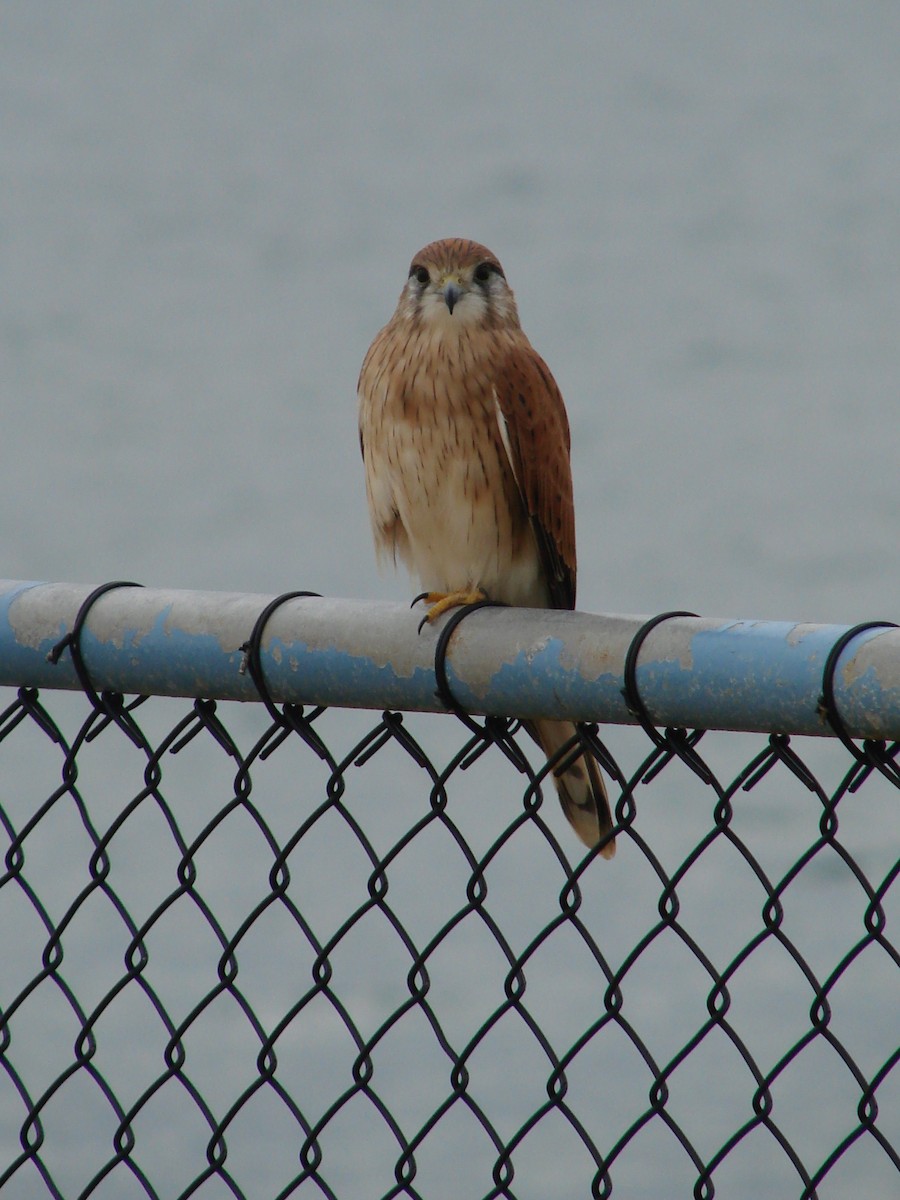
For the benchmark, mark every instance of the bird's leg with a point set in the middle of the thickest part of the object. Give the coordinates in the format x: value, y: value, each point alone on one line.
x: 441, y: 602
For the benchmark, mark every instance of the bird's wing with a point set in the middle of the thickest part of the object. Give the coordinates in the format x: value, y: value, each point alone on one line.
x: 535, y: 434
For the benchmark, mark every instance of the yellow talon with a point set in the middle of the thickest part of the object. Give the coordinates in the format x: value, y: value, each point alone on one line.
x: 441, y: 602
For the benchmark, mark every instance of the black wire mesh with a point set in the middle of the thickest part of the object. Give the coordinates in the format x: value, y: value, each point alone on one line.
x: 365, y: 958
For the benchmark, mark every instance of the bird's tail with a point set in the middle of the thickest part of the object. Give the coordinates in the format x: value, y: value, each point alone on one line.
x: 582, y: 792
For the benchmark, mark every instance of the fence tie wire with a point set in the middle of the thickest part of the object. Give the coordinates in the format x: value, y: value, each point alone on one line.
x: 252, y: 648
x: 493, y: 731
x: 290, y: 718
x: 72, y: 640
x: 443, y: 691
x: 108, y: 704
x: 675, y: 742
x: 875, y: 754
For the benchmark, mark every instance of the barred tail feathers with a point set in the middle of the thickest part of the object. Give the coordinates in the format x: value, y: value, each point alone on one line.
x: 582, y: 792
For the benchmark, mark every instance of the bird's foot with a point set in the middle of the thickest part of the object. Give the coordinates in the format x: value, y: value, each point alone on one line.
x: 441, y: 602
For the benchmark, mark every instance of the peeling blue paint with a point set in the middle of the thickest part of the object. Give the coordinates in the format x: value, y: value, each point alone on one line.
x: 314, y: 675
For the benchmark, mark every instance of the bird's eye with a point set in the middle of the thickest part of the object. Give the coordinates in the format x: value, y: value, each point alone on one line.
x: 420, y: 274
x: 483, y: 272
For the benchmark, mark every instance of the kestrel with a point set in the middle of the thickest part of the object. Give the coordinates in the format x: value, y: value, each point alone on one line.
x: 465, y: 443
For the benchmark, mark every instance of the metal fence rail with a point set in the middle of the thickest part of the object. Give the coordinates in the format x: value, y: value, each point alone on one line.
x: 283, y: 948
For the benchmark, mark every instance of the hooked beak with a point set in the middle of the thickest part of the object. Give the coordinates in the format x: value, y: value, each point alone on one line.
x: 452, y: 294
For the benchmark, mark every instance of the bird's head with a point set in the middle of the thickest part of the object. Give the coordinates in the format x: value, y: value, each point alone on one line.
x: 458, y: 284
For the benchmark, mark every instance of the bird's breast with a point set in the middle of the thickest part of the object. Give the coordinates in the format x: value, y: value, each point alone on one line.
x: 441, y: 488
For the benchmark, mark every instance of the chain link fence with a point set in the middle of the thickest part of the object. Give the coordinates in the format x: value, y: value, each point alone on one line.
x: 283, y: 950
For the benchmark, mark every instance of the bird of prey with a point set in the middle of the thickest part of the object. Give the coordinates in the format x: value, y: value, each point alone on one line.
x: 465, y: 442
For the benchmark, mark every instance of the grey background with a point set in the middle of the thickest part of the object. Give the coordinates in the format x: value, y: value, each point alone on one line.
x: 207, y: 211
